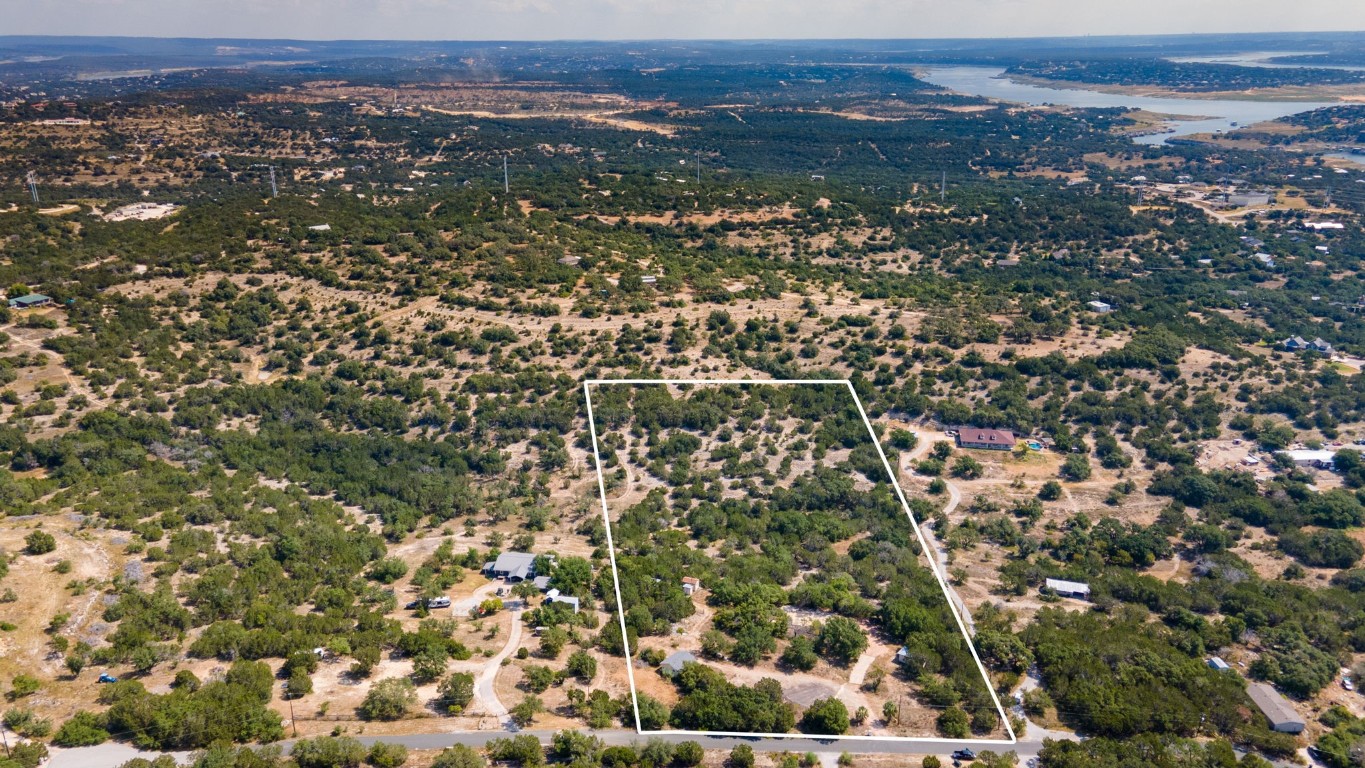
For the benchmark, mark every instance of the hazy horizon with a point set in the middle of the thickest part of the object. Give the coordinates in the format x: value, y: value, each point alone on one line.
x: 621, y: 20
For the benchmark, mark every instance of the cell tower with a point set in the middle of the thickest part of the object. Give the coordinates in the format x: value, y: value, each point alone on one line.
x: 274, y: 188
x: 506, y: 186
x: 32, y: 180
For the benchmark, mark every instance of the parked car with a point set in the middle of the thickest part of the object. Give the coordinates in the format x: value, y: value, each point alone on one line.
x: 964, y: 754
x: 105, y: 677
x: 1347, y: 684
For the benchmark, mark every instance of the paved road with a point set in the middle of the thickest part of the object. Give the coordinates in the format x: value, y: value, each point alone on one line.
x: 113, y: 755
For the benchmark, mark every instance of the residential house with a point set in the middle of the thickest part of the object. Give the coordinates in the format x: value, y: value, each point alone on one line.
x: 674, y: 664
x: 512, y: 566
x: 30, y: 301
x: 690, y: 584
x: 987, y: 439
x: 1218, y: 664
x: 1100, y: 306
x: 1316, y: 459
x: 1074, y: 589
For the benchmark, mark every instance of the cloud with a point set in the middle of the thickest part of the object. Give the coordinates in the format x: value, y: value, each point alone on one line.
x: 638, y: 19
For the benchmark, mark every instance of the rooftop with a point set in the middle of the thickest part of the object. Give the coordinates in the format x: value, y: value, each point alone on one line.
x: 677, y: 659
x: 1275, y: 707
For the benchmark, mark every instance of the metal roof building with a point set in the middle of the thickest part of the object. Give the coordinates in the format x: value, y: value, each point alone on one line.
x: 1069, y: 588
x: 1276, y: 708
x: 674, y: 663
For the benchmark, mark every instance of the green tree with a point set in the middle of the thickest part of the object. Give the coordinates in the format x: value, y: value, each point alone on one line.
x: 800, y: 654
x: 388, y: 699
x: 455, y: 692
x: 953, y: 723
x: 385, y: 755
x: 1076, y: 468
x: 967, y: 468
x: 828, y: 716
x: 841, y: 640
x: 525, y: 712
x: 741, y: 756
x: 582, y: 666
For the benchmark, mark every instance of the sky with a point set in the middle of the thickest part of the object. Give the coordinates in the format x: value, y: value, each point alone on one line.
x: 673, y: 19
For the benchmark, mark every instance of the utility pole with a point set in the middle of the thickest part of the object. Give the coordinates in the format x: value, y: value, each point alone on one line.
x: 293, y: 722
x: 274, y: 188
x: 5, y: 739
x: 698, y: 163
x: 943, y: 187
x: 506, y: 187
x: 32, y: 180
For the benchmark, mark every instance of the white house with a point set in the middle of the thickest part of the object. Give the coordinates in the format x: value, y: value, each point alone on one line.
x: 1064, y: 588
x: 1100, y: 306
x: 1306, y: 458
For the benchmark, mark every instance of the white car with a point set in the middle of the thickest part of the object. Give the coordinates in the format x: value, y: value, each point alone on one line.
x: 1347, y: 684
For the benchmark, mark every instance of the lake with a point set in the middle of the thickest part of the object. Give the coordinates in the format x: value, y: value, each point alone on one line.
x: 1204, y: 115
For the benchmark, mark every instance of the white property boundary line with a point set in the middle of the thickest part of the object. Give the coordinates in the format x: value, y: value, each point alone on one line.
x: 924, y: 547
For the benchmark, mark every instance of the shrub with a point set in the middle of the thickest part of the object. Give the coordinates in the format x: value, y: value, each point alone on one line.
x: 462, y: 756
x: 383, y: 755
x: 741, y: 756
x: 688, y: 754
x: 328, y: 752
x: 84, y: 729
x: 39, y: 543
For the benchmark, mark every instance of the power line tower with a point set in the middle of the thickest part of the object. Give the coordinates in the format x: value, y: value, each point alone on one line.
x: 274, y: 188
x: 32, y: 180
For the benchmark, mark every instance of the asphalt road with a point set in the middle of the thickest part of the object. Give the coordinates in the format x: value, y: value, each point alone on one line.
x: 112, y: 755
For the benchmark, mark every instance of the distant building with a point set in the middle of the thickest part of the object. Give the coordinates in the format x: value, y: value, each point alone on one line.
x: 321, y: 228
x: 1007, y: 263
x: 512, y: 566
x: 987, y: 439
x: 1298, y: 344
x: 1276, y: 708
x: 675, y: 662
x: 1315, y: 459
x: 649, y: 279
x: 690, y: 584
x: 570, y: 261
x: 1100, y: 306
x: 1245, y: 199
x: 1264, y: 258
x: 1219, y: 664
x: 1319, y: 226
x: 1064, y: 588
x: 30, y: 301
